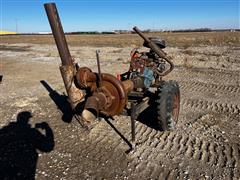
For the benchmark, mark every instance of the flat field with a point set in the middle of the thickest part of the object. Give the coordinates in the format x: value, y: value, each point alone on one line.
x: 204, y: 145
x: 125, y: 40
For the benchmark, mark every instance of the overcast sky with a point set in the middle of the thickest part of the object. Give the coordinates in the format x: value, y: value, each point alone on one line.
x: 91, y: 15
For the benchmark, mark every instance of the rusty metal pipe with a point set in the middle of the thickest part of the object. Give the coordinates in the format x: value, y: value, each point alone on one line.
x: 93, y: 106
x: 128, y: 86
x: 67, y: 68
x: 156, y: 49
x: 96, y: 102
x: 75, y: 95
x: 58, y: 33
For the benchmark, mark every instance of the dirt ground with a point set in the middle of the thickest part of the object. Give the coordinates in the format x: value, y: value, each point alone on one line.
x: 205, y: 144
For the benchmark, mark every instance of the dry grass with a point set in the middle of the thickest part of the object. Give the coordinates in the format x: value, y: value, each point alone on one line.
x: 192, y: 53
x: 181, y: 40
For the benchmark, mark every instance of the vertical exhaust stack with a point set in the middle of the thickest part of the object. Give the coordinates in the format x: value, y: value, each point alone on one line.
x: 67, y: 67
x: 58, y: 33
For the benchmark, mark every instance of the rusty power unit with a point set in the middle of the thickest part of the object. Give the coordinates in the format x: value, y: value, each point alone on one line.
x: 104, y: 95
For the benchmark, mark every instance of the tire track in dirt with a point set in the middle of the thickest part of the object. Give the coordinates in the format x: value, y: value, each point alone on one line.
x: 183, y: 148
x: 218, y: 77
x: 224, y: 76
x: 206, y: 87
x: 98, y: 137
x: 99, y: 140
x: 212, y: 106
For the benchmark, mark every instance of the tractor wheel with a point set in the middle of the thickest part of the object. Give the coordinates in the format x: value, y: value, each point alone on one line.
x: 168, y: 104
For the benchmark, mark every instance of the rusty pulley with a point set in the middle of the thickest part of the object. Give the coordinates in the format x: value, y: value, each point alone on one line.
x: 109, y: 99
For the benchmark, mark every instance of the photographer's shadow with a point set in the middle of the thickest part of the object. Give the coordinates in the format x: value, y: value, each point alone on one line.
x: 19, y: 143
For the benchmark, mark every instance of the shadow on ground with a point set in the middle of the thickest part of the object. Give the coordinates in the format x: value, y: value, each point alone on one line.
x: 19, y: 143
x: 61, y: 102
x: 149, y: 118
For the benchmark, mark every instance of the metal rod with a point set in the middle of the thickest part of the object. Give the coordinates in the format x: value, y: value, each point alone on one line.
x: 133, y: 116
x: 99, y: 68
x: 58, y: 33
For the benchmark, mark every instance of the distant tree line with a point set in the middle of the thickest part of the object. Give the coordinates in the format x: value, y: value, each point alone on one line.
x: 194, y: 30
x: 132, y: 32
x: 91, y: 32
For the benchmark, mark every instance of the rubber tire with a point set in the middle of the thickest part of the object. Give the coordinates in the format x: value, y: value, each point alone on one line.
x: 166, y: 94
